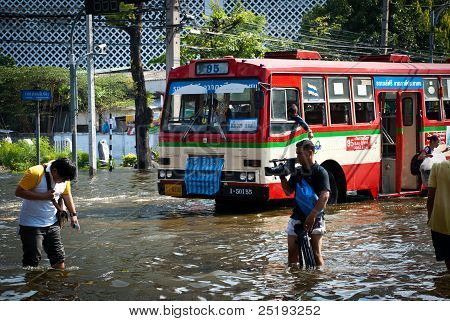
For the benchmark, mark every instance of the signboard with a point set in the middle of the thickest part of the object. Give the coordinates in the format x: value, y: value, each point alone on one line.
x: 36, y: 94
x: 211, y: 86
x: 398, y: 83
x: 211, y: 68
x: 243, y: 125
x: 358, y: 143
x: 99, y: 7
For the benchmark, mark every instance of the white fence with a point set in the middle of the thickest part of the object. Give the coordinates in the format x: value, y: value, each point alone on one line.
x: 122, y: 143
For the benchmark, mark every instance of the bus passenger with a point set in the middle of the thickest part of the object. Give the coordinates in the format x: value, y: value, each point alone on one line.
x: 317, y: 177
x: 427, y: 152
x: 293, y: 115
x: 438, y: 207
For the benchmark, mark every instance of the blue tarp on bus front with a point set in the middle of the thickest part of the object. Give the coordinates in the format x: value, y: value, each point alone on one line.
x: 202, y: 175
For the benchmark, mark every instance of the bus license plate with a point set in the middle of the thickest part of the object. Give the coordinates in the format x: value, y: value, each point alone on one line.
x: 173, y: 190
x: 240, y: 191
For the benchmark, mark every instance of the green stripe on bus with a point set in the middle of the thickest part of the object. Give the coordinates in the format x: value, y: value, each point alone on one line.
x: 271, y: 144
x: 433, y: 129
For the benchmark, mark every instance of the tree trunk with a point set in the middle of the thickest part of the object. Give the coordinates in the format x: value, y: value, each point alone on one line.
x: 143, y: 114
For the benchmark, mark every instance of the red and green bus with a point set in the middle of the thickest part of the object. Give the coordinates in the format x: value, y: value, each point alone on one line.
x: 369, y: 118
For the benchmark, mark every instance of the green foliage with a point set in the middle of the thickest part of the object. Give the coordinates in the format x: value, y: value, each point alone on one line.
x: 240, y: 34
x: 350, y: 22
x: 82, y: 159
x: 129, y: 160
x: 112, y: 92
x: 20, y: 156
x: 5, y: 60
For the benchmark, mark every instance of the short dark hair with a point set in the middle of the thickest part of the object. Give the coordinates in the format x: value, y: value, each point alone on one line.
x: 306, y: 144
x: 433, y: 138
x: 65, y: 168
x: 292, y: 108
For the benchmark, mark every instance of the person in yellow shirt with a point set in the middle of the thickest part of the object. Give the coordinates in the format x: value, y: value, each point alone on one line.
x: 37, y: 219
x: 438, y: 206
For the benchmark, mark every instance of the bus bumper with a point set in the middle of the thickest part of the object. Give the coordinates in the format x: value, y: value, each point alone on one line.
x: 231, y: 191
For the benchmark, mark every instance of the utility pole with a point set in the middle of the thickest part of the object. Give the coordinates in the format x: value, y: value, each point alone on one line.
x: 172, y: 35
x: 91, y: 97
x: 74, y: 93
x: 384, y: 26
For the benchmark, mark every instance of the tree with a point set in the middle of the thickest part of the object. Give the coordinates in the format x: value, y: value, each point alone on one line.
x: 239, y: 34
x: 6, y: 60
x: 111, y: 92
x: 357, y: 25
x: 129, y: 19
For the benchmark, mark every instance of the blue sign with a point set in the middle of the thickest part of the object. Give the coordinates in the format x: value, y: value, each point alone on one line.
x: 398, y: 83
x: 36, y: 94
x: 191, y: 87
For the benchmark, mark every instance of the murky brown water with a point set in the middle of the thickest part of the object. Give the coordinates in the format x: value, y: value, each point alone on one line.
x: 137, y: 245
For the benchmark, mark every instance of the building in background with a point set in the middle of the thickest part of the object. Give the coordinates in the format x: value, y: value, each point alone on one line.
x: 36, y: 32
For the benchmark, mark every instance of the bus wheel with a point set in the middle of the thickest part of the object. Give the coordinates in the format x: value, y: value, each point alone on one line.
x: 334, y: 193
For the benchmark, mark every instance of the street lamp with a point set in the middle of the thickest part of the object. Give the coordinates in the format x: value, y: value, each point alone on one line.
x: 434, y: 18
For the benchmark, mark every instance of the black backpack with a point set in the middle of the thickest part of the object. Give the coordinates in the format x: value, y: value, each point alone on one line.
x: 415, y: 164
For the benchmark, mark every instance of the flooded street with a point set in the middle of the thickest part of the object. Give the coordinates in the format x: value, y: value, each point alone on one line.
x: 137, y: 245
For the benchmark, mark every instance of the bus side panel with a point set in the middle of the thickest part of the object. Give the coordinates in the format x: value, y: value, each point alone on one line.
x: 276, y: 192
x: 362, y: 176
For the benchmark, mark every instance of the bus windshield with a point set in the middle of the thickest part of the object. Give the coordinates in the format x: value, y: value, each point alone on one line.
x: 211, y: 106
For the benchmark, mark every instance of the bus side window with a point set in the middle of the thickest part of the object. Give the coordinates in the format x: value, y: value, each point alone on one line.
x: 339, y: 97
x: 281, y: 100
x: 313, y: 90
x: 432, y: 103
x: 446, y: 98
x: 363, y: 98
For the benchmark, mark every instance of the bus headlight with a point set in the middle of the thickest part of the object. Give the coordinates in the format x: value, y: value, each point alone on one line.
x: 162, y: 174
x: 169, y: 174
x: 243, y: 177
x: 251, y: 177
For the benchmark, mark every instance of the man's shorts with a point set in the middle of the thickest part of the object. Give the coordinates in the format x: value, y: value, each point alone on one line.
x: 318, y: 227
x: 36, y: 238
x: 441, y: 243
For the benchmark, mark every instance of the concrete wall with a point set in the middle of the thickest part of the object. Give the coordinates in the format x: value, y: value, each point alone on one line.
x: 122, y: 143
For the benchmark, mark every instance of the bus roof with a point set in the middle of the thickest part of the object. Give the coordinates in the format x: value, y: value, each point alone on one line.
x: 348, y: 67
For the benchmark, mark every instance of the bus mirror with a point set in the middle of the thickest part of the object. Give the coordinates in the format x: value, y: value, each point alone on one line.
x: 259, y: 99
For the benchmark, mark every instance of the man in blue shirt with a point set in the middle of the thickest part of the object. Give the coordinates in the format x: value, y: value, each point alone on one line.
x: 317, y: 177
x: 293, y: 115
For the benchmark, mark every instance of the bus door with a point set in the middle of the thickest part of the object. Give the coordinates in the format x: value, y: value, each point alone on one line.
x: 409, y: 128
x: 389, y: 112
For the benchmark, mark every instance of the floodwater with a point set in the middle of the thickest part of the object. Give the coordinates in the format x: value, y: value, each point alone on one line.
x: 137, y: 245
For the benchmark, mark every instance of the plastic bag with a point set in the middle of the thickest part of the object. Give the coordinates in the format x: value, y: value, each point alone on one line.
x: 428, y: 162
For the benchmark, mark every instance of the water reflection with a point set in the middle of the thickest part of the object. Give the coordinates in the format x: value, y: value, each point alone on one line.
x: 137, y: 245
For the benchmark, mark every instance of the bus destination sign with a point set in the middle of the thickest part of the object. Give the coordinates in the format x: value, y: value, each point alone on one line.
x: 399, y: 83
x: 211, y: 68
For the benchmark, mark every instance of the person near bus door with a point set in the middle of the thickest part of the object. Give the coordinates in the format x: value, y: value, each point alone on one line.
x: 438, y: 207
x: 317, y: 177
x: 427, y: 152
x: 293, y: 115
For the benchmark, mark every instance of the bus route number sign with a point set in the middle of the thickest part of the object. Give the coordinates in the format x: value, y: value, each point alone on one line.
x: 211, y: 68
x: 358, y: 143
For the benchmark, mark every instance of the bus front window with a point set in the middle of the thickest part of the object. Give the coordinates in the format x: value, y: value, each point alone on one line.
x: 204, y: 106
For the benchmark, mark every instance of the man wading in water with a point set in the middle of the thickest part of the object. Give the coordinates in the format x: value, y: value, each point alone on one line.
x: 38, y: 221
x: 317, y: 177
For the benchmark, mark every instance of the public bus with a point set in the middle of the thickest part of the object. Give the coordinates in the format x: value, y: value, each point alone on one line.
x: 224, y: 120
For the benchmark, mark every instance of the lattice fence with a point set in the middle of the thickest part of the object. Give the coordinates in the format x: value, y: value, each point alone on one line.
x: 44, y: 41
